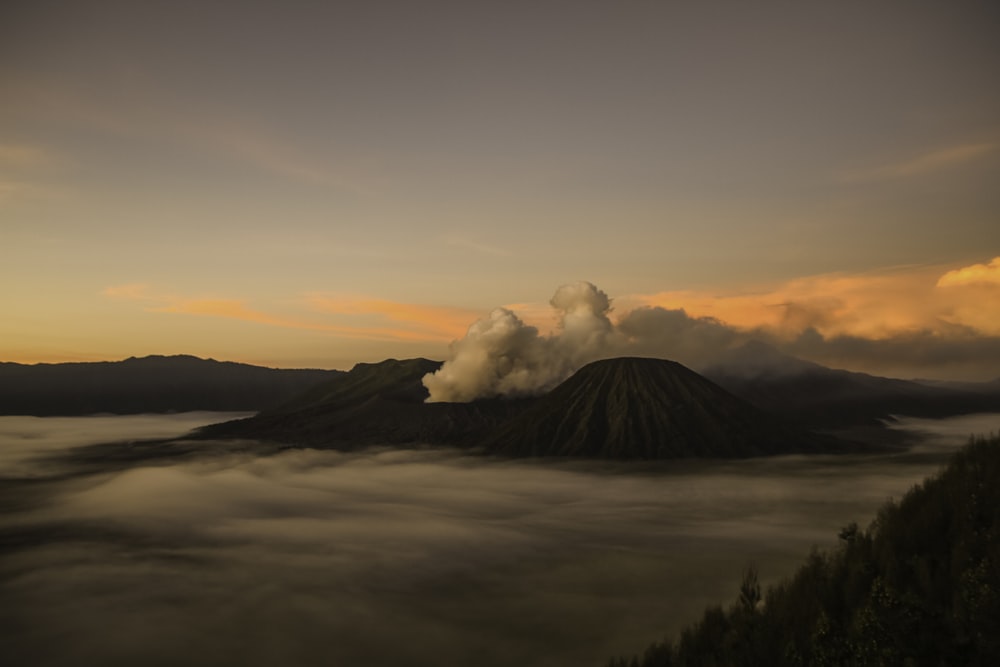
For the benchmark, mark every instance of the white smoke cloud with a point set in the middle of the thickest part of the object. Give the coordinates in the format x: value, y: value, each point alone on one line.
x: 673, y: 334
x: 503, y: 356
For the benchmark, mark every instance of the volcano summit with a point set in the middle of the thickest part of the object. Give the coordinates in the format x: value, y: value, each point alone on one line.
x: 638, y: 408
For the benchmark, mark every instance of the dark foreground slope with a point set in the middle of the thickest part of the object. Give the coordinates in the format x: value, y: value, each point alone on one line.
x: 372, y: 404
x: 920, y: 587
x: 819, y: 397
x: 637, y: 408
x: 148, y: 384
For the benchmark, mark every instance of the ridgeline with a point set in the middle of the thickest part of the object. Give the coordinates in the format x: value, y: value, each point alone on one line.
x: 179, y: 383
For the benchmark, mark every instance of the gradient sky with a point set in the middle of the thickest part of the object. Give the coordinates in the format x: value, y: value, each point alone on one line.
x: 315, y: 184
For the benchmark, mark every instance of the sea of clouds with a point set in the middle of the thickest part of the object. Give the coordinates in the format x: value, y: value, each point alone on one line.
x: 418, y: 557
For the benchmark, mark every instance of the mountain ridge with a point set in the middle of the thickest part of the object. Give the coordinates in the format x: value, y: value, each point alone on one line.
x: 155, y: 383
x: 816, y: 396
x: 379, y: 403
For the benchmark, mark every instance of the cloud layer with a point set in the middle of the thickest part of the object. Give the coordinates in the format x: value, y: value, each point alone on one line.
x: 977, y: 274
x: 344, y: 316
x: 916, y: 323
x: 930, y: 321
x: 388, y: 558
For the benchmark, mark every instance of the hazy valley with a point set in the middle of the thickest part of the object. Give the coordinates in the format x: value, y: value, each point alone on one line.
x: 387, y: 556
x: 353, y: 523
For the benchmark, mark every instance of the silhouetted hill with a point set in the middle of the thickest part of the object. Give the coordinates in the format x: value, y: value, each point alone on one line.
x: 636, y: 408
x: 390, y: 378
x: 920, y: 587
x: 372, y: 404
x: 148, y: 384
x: 821, y: 397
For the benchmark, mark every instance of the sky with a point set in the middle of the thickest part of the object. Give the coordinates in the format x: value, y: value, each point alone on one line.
x: 316, y: 184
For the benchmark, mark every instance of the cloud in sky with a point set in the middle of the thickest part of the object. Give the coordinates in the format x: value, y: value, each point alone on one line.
x: 873, y: 305
x: 925, y: 163
x: 271, y: 154
x: 144, y: 110
x: 348, y: 317
x: 436, y: 322
x: 898, y: 321
x: 24, y: 170
x: 23, y: 156
x: 976, y: 274
x: 914, y: 320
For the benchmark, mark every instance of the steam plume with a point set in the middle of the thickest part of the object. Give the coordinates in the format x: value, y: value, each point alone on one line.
x: 502, y: 356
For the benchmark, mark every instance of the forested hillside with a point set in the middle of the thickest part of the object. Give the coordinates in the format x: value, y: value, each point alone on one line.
x: 920, y: 586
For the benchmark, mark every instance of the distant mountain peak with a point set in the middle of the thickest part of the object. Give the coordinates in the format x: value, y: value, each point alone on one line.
x: 414, y: 363
x: 756, y: 357
x: 822, y: 397
x: 641, y: 408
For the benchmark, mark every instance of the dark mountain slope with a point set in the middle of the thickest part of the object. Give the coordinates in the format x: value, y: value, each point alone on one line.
x: 148, y: 384
x: 372, y: 404
x: 635, y: 408
x: 399, y: 380
x: 820, y: 397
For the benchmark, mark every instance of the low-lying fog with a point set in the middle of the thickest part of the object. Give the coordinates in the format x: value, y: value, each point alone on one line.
x: 396, y: 557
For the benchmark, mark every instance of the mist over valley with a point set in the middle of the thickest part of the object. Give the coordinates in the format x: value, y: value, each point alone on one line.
x: 386, y: 556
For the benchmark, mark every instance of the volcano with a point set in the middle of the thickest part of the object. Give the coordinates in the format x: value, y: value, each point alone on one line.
x: 372, y: 404
x: 627, y: 408
x: 638, y: 408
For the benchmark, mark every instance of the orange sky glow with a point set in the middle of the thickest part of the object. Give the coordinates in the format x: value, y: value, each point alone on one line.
x: 946, y: 301
x: 327, y: 183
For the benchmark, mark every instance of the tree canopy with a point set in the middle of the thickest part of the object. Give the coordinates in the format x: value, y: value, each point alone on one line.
x: 920, y: 586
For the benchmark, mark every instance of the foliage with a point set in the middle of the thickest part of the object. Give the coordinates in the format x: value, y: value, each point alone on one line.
x: 921, y: 586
